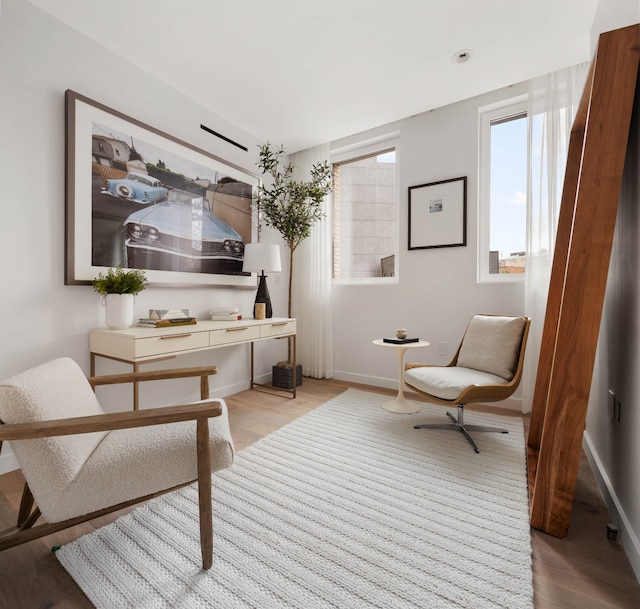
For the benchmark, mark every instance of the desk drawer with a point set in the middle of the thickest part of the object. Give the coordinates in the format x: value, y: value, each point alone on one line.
x: 235, y: 334
x: 278, y: 329
x: 170, y: 343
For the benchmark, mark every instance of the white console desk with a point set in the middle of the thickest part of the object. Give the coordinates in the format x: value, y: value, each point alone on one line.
x: 144, y: 345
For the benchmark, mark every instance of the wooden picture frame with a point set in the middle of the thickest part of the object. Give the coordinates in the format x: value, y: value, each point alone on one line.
x: 438, y: 214
x: 141, y: 198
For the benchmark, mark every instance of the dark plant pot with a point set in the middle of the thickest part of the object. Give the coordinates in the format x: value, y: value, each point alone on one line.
x: 283, y: 376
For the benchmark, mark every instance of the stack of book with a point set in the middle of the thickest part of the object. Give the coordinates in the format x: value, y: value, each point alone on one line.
x: 147, y: 322
x: 400, y: 341
x: 225, y: 314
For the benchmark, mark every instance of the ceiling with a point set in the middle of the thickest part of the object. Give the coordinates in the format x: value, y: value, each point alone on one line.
x: 303, y: 72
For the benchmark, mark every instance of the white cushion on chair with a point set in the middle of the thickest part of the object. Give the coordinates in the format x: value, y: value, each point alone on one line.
x: 492, y: 344
x: 74, y: 475
x: 448, y: 382
x: 131, y: 463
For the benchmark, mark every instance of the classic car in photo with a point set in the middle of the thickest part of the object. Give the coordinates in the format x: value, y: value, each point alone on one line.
x: 137, y: 187
x: 182, y: 234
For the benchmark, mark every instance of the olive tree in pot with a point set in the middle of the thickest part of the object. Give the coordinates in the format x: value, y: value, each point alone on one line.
x: 292, y: 207
x: 118, y: 288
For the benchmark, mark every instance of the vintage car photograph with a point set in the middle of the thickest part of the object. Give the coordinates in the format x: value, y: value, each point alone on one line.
x: 137, y: 187
x: 182, y: 234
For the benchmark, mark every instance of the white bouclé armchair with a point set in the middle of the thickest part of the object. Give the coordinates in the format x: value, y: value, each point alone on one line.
x: 80, y: 463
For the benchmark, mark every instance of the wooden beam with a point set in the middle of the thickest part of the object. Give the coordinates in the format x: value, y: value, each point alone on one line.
x: 586, y: 226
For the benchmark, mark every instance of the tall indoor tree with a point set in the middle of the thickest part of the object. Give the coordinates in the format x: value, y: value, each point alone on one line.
x: 291, y: 206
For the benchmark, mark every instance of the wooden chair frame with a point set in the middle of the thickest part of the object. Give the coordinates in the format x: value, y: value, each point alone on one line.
x: 28, y: 515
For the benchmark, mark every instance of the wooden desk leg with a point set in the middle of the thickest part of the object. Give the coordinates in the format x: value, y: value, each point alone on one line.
x: 295, y: 368
x: 136, y: 368
x: 251, y: 364
x: 92, y: 364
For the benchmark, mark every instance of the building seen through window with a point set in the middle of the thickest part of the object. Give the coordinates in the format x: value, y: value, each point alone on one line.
x: 365, y: 216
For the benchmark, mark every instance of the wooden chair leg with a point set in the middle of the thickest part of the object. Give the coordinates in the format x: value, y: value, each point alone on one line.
x: 33, y: 518
x: 204, y: 493
x: 26, y: 504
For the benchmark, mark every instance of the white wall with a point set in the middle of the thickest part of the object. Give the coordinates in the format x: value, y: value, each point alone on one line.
x: 40, y: 317
x: 613, y: 449
x: 436, y: 293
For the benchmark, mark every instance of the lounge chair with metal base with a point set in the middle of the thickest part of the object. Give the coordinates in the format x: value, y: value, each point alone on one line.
x: 487, y: 367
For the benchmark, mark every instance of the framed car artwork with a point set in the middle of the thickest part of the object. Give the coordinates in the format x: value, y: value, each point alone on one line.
x: 140, y: 198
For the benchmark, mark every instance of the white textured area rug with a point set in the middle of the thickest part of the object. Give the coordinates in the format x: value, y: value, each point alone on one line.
x: 348, y: 507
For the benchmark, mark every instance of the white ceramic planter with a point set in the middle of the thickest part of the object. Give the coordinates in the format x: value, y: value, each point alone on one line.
x: 118, y: 311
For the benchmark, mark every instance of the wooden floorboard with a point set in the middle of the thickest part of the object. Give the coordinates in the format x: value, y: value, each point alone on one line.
x: 585, y: 571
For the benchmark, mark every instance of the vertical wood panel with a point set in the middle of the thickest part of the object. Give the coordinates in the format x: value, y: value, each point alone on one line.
x: 586, y: 226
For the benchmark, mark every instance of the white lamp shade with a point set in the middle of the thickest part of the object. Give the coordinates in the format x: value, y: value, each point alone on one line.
x: 261, y: 257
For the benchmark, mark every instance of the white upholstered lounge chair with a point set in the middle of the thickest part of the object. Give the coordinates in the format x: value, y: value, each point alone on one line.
x: 80, y: 463
x: 487, y: 367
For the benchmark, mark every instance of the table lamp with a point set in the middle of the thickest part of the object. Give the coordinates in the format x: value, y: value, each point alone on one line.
x: 261, y: 257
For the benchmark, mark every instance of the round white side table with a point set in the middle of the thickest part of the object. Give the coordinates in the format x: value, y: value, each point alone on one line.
x: 400, y: 404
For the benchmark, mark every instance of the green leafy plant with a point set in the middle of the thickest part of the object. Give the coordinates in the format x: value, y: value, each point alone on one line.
x: 120, y: 281
x: 291, y: 207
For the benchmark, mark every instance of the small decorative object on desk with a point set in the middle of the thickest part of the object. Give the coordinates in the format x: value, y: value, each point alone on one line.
x: 147, y: 322
x: 225, y: 314
x: 400, y: 338
x: 168, y: 313
x: 260, y: 310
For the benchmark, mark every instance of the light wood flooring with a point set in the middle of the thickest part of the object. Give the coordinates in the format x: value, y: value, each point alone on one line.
x: 585, y: 571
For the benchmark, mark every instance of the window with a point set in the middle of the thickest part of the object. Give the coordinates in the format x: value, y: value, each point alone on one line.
x: 503, y: 192
x: 365, y: 215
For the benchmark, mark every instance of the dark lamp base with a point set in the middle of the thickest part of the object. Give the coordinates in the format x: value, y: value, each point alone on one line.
x: 263, y: 296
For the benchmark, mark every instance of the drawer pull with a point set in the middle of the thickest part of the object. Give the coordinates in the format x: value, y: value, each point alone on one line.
x: 280, y: 323
x: 184, y: 335
x: 237, y: 329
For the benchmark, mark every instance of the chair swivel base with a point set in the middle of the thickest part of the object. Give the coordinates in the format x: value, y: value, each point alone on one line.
x: 458, y: 425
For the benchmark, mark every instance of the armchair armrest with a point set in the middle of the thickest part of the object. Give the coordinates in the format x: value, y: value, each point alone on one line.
x: 107, y: 422
x: 157, y: 375
x: 151, y: 375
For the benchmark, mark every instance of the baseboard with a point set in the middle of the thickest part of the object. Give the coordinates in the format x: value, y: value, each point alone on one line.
x: 364, y: 379
x: 628, y: 538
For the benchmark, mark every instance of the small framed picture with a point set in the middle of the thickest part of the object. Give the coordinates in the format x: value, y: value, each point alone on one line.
x: 438, y: 214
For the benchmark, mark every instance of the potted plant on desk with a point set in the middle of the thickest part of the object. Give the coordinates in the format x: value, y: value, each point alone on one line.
x: 292, y: 208
x: 118, y: 288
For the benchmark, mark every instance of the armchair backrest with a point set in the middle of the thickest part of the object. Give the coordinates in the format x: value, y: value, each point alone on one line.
x: 492, y: 343
x: 55, y: 390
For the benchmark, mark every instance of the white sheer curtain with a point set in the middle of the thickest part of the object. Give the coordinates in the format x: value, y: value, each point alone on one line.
x: 553, y: 102
x: 311, y: 300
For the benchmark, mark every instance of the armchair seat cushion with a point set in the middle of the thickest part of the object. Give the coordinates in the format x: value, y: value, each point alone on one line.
x: 448, y: 382
x: 131, y: 463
